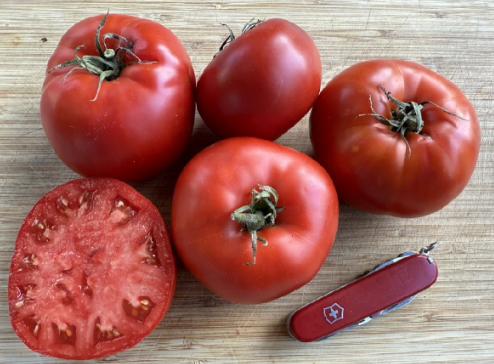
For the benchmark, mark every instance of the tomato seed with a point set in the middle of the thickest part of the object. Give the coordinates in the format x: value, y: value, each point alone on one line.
x: 32, y: 324
x: 63, y: 205
x: 141, y: 311
x: 64, y: 336
x: 123, y: 211
x: 101, y: 335
x: 86, y: 199
x: 29, y: 262
x: 82, y: 198
x: 40, y: 228
x: 23, y: 293
x: 151, y: 250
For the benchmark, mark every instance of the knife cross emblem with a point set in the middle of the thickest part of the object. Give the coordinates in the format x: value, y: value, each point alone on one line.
x: 333, y: 313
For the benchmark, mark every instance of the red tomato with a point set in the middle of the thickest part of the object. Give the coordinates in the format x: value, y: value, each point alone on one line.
x: 403, y: 170
x: 262, y: 83
x: 141, y: 119
x: 232, y: 262
x: 92, y: 271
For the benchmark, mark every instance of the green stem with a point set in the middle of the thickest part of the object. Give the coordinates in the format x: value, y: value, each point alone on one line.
x: 259, y: 214
x: 107, y: 64
x: 406, y: 117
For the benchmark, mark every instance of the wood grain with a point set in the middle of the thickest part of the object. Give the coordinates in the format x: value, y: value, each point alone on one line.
x: 449, y: 323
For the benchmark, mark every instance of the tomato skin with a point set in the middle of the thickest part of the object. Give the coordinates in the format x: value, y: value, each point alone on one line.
x: 262, y: 83
x: 81, y: 263
x: 217, y: 181
x: 140, y: 122
x: 370, y: 165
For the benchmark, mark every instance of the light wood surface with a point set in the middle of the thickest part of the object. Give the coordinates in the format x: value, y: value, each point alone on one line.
x: 452, y: 322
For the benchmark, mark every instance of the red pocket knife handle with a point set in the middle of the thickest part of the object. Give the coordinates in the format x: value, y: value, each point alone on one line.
x: 360, y: 300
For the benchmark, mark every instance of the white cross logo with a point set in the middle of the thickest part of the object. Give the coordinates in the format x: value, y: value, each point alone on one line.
x: 333, y: 313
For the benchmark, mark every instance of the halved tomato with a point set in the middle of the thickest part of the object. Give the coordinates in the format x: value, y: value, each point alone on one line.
x: 92, y: 272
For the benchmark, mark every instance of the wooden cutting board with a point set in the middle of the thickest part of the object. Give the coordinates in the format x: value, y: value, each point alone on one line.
x: 449, y: 323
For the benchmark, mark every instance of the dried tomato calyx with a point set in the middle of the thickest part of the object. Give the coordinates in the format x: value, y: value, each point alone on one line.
x: 260, y: 213
x: 109, y: 63
x: 231, y: 37
x: 406, y: 117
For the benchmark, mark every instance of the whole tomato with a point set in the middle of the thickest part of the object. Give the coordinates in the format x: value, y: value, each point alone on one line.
x: 118, y: 97
x: 262, y: 83
x: 396, y: 137
x: 253, y: 220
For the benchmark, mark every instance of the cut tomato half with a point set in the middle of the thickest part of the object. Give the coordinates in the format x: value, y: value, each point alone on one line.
x: 93, y: 271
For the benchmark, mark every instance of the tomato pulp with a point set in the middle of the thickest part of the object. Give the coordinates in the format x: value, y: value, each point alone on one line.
x: 92, y: 272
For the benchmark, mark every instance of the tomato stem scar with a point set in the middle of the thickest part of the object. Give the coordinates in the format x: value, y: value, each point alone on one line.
x: 260, y: 213
x: 406, y: 117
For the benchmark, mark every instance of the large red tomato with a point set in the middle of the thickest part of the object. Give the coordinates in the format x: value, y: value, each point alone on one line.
x: 396, y: 137
x: 93, y: 271
x: 262, y: 83
x: 140, y: 119
x: 253, y: 220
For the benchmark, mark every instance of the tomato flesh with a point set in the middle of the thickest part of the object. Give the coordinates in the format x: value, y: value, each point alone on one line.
x: 92, y: 271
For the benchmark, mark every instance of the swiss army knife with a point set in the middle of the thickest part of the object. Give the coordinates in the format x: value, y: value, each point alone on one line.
x: 387, y: 287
